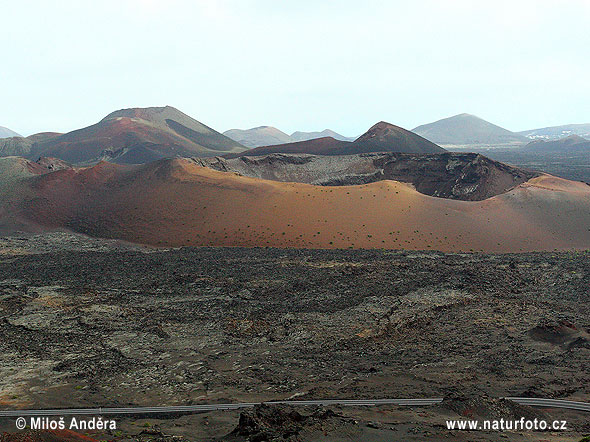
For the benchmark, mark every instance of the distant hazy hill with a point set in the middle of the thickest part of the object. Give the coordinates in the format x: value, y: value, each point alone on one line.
x: 271, y: 136
x: 24, y: 147
x: 304, y: 136
x: 381, y: 137
x: 258, y: 136
x: 556, y: 132
x: 571, y: 144
x: 7, y: 133
x: 136, y: 136
x: 466, y: 129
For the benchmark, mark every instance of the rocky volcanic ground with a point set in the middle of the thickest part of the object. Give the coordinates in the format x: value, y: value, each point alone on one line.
x: 104, y: 323
x: 462, y: 176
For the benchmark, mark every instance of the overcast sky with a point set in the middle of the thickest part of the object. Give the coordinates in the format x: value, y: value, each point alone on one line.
x: 296, y: 65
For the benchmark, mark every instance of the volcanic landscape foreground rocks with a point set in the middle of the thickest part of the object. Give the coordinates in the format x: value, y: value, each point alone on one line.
x: 121, y: 326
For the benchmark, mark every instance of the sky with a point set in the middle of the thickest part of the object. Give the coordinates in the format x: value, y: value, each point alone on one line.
x: 297, y: 65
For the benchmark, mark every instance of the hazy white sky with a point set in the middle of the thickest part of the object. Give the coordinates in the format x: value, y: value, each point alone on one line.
x: 296, y: 65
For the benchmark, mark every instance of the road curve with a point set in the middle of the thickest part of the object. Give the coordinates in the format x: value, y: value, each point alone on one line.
x: 535, y: 402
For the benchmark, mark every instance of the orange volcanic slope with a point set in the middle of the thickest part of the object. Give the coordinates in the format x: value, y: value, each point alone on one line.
x: 175, y: 203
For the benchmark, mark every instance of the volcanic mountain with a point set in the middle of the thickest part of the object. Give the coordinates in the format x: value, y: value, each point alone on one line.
x: 381, y: 137
x: 258, y: 136
x: 135, y: 136
x: 385, y: 137
x: 271, y: 136
x: 466, y: 129
x: 175, y: 202
x: 7, y: 133
x: 304, y: 136
x: 557, y: 132
x: 571, y: 144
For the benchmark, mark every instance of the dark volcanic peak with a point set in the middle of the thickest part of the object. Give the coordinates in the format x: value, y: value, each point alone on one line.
x: 387, y: 137
x: 380, y: 130
x: 467, y: 129
x: 135, y: 135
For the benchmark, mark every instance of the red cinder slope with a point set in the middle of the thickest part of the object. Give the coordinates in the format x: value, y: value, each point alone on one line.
x: 176, y: 202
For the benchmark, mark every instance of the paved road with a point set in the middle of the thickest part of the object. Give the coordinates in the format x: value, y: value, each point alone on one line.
x: 535, y: 402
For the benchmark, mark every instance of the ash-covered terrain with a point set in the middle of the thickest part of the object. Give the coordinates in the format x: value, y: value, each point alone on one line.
x: 89, y: 326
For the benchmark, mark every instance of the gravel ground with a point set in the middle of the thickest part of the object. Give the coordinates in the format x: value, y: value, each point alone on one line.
x: 114, y: 325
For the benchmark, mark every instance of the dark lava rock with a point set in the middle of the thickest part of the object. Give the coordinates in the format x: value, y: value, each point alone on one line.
x: 485, y: 407
x: 45, y: 436
x: 266, y: 423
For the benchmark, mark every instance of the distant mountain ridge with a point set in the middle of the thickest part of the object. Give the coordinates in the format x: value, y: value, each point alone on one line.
x: 304, y: 136
x: 571, y: 144
x: 467, y: 129
x: 381, y: 137
x: 557, y: 132
x: 271, y: 136
x: 258, y: 136
x: 7, y: 133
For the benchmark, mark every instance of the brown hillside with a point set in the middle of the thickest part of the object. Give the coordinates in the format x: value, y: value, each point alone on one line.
x: 137, y: 136
x: 176, y: 202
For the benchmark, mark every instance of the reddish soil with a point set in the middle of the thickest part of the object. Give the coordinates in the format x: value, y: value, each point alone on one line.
x: 176, y: 202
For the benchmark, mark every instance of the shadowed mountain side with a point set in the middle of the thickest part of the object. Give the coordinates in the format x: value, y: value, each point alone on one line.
x: 175, y: 203
x: 317, y: 146
x: 464, y: 176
